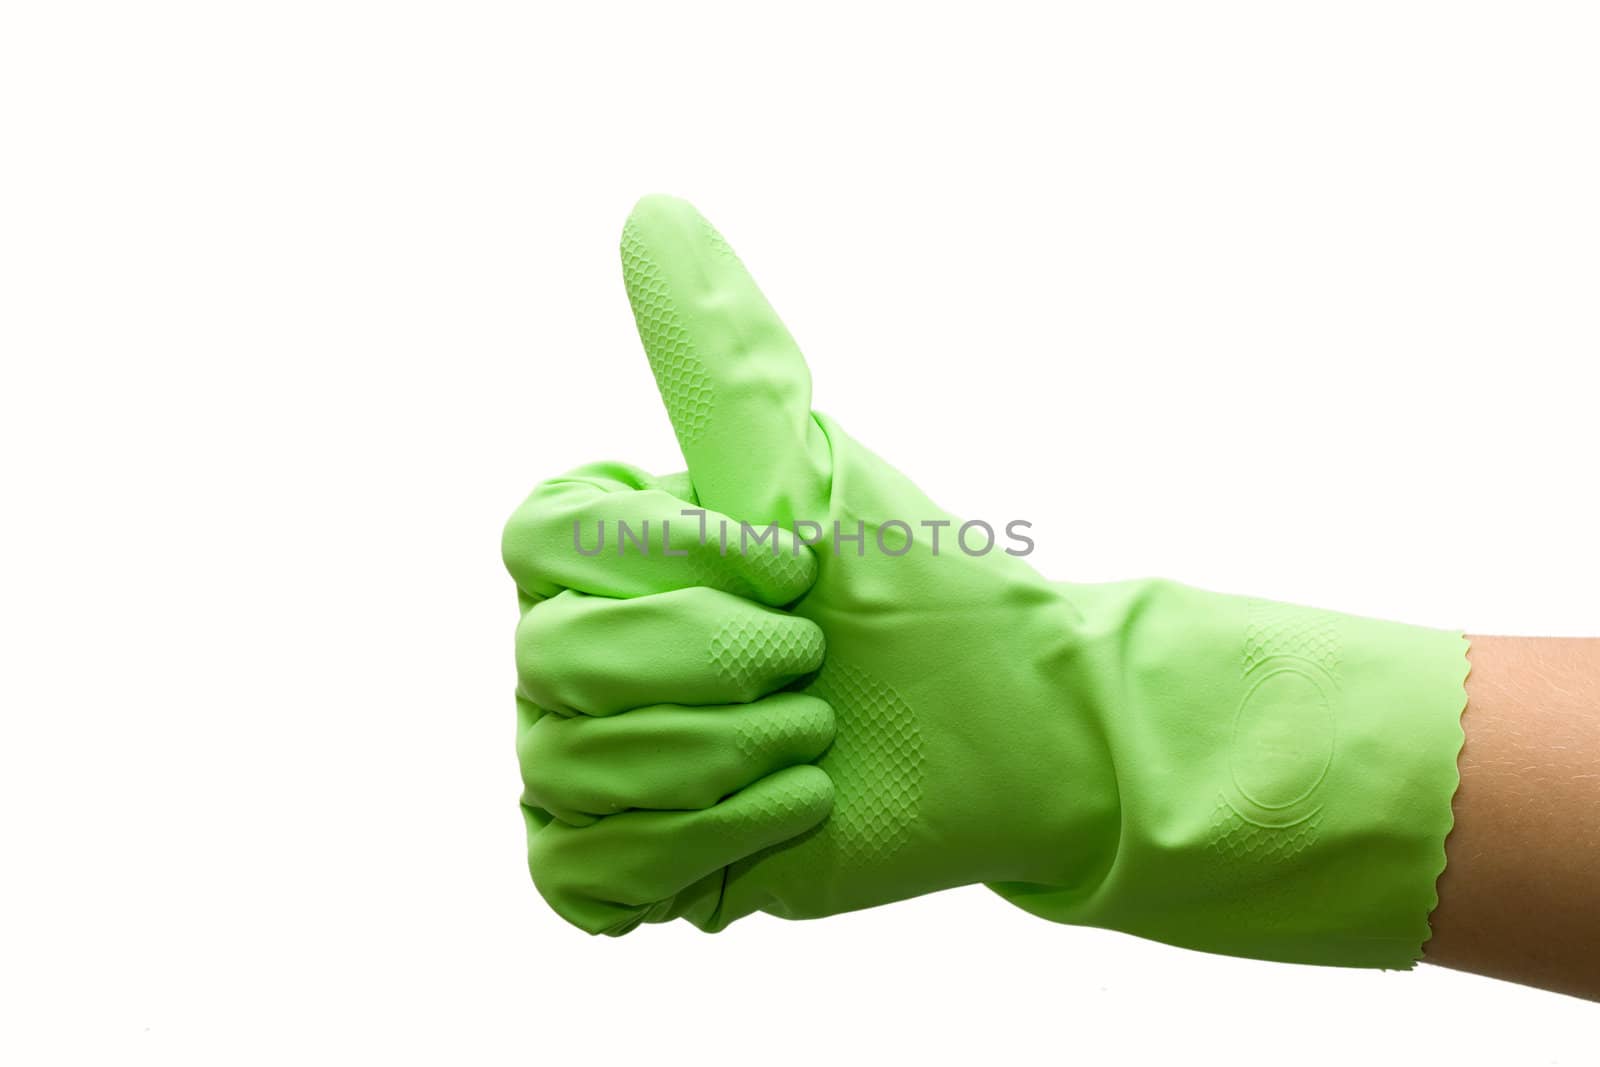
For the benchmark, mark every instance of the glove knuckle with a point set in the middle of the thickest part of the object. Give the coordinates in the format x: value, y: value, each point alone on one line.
x: 539, y: 662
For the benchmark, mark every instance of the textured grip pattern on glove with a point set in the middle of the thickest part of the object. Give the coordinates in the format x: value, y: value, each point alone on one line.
x: 875, y: 762
x: 1287, y: 630
x: 774, y: 569
x: 744, y: 650
x: 716, y: 243
x: 685, y: 387
x: 780, y: 800
x: 787, y: 729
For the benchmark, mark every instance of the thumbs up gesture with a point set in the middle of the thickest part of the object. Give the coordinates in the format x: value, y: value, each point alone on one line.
x: 786, y: 681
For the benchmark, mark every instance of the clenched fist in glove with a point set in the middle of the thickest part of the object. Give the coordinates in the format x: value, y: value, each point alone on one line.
x: 788, y: 682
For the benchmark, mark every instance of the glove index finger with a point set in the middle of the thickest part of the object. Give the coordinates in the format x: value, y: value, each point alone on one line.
x: 594, y: 534
x: 732, y: 378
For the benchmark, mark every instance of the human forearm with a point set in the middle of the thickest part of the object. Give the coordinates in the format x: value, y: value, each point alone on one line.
x: 1520, y: 896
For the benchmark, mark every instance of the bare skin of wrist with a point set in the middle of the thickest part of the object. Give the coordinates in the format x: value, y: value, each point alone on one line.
x: 1520, y: 895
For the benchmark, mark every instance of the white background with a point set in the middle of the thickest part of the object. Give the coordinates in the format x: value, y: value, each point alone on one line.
x: 297, y: 300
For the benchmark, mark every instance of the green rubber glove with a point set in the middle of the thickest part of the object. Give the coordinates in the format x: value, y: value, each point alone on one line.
x: 1217, y: 772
